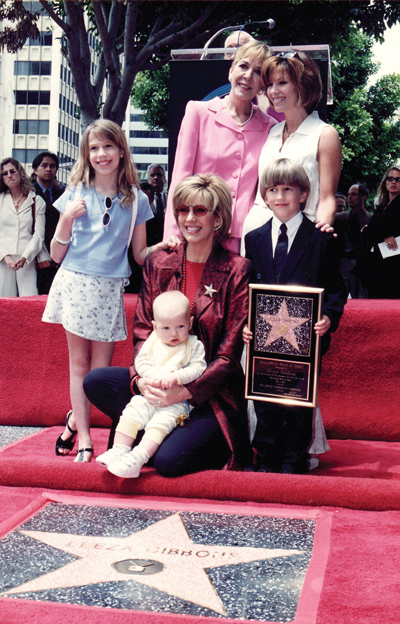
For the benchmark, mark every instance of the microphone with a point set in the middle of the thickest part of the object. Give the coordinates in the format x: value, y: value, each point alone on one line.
x: 178, y: 274
x: 270, y: 23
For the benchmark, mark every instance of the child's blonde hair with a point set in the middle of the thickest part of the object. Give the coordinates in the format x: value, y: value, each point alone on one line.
x: 285, y: 171
x: 83, y: 170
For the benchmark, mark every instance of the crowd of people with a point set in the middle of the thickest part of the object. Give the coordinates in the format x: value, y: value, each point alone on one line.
x: 242, y: 182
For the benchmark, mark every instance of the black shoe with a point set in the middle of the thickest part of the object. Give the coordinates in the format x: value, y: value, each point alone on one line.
x: 70, y: 441
x: 264, y: 468
x: 288, y: 469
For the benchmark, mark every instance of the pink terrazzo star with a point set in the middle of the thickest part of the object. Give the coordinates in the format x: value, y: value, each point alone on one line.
x: 283, y: 326
x: 184, y: 563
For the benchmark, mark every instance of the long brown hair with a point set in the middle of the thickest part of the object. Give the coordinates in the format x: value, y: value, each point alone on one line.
x: 83, y: 171
x: 25, y: 183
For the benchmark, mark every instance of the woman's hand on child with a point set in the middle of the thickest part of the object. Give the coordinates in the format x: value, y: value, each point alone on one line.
x: 246, y: 335
x: 169, y: 380
x: 162, y: 398
x: 323, y: 325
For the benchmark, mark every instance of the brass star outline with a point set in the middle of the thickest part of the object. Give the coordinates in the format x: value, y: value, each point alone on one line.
x: 185, y: 563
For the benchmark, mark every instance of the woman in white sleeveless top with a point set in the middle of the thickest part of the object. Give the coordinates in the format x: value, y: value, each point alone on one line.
x: 293, y: 87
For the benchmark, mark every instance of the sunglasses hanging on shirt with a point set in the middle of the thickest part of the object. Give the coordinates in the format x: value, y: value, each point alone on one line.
x: 106, y: 215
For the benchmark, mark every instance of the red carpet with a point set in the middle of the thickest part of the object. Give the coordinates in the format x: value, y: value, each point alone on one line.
x: 360, y: 585
x: 370, y: 480
x: 361, y: 365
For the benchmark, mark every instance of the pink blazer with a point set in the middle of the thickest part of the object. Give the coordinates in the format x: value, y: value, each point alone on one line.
x: 210, y: 142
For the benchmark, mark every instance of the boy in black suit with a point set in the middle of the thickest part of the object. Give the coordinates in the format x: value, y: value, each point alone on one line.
x: 290, y: 250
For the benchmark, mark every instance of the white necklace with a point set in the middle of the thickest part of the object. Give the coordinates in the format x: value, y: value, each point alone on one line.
x: 243, y: 123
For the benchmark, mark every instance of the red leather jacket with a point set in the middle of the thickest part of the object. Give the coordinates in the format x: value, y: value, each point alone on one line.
x: 218, y: 323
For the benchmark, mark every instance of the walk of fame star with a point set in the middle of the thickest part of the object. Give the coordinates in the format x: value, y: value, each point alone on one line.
x: 209, y: 290
x: 179, y: 565
x: 283, y: 326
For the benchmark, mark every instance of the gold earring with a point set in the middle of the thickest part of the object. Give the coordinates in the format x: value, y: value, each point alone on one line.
x: 218, y: 227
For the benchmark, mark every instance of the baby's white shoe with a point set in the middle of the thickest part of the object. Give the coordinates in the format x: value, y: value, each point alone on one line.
x: 113, y: 454
x: 129, y: 465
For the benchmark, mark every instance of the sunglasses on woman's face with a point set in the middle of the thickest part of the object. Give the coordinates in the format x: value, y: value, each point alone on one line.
x: 198, y: 211
x: 106, y: 215
x: 9, y: 172
x: 392, y: 179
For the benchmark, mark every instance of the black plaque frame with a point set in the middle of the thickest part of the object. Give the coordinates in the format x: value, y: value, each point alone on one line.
x: 283, y: 369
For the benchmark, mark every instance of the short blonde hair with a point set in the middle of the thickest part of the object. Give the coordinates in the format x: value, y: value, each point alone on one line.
x: 173, y: 300
x: 210, y: 190
x: 255, y: 50
x: 304, y: 74
x: 285, y: 171
x: 83, y: 171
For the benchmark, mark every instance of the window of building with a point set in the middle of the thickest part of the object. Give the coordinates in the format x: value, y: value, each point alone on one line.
x: 147, y: 134
x: 32, y: 97
x: 137, y: 117
x: 32, y: 68
x: 31, y: 126
x: 25, y: 155
x: 146, y: 149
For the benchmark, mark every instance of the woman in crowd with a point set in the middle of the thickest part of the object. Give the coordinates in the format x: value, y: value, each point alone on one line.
x: 22, y: 221
x: 103, y: 211
x: 383, y: 274
x: 225, y: 136
x: 293, y: 86
x: 215, y: 281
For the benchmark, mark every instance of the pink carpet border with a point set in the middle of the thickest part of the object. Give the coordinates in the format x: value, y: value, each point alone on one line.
x: 313, y: 582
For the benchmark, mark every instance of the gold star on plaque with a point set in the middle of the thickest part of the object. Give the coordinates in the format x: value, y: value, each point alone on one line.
x: 161, y: 556
x: 283, y: 326
x: 209, y: 290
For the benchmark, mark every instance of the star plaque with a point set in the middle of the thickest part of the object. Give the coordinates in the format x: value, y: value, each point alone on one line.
x: 283, y: 356
x: 164, y: 558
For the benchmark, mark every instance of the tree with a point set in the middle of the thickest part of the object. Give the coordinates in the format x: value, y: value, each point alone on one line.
x: 150, y: 92
x: 364, y: 116
x: 298, y: 22
x: 145, y: 32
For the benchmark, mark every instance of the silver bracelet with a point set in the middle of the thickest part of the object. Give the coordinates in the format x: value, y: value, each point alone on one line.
x: 61, y: 242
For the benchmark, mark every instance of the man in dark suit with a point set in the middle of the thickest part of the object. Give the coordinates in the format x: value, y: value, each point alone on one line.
x: 349, y: 225
x: 155, y: 227
x: 290, y: 250
x: 45, y: 166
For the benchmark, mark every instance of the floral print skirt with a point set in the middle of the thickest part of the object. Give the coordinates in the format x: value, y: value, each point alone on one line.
x: 89, y: 306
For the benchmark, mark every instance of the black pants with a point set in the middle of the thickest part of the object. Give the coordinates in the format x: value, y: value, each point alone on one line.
x: 199, y: 445
x: 283, y: 436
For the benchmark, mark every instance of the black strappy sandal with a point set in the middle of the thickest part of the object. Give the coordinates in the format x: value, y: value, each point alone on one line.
x: 80, y: 454
x: 69, y: 442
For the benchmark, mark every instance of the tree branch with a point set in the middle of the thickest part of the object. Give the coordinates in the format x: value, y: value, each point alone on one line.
x: 113, y: 72
x: 56, y: 18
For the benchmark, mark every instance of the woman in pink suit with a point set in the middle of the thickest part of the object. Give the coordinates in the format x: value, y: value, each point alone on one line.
x: 225, y: 136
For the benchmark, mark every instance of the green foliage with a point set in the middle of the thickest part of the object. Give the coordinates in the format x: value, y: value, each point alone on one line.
x: 150, y: 93
x: 19, y: 24
x: 364, y: 116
